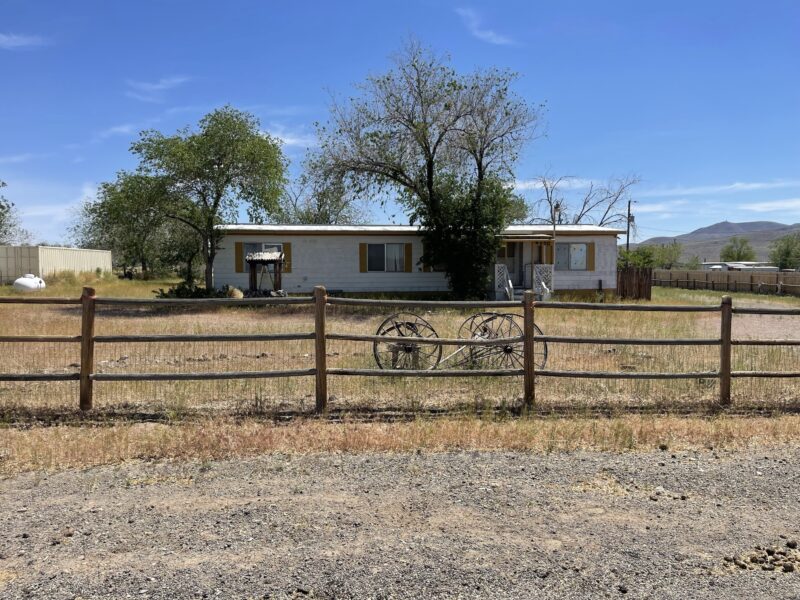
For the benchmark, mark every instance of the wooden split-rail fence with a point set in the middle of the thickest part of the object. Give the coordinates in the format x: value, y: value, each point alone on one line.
x: 321, y: 372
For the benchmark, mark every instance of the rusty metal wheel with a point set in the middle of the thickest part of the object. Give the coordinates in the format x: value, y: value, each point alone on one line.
x: 405, y: 353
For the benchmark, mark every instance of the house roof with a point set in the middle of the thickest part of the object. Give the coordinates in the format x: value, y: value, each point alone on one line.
x: 513, y: 231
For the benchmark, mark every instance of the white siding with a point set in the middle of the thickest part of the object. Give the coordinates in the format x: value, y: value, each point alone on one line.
x: 605, y: 265
x: 16, y: 261
x: 333, y: 261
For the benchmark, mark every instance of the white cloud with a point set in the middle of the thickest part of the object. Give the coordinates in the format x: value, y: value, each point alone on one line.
x: 472, y: 21
x: 719, y: 189
x: 790, y: 204
x: 12, y: 159
x: 569, y: 183
x: 123, y: 129
x: 153, y: 92
x: 658, y: 208
x: 292, y: 137
x: 14, y: 41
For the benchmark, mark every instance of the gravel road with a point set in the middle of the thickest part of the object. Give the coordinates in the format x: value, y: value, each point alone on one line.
x: 459, y: 525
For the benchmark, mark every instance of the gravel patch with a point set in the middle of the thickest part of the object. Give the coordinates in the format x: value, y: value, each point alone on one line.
x: 450, y: 525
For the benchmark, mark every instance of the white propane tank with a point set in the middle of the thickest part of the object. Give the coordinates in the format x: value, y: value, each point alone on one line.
x: 29, y: 283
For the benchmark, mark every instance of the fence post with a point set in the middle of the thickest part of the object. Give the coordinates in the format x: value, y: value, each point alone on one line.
x: 320, y: 300
x: 725, y: 352
x: 529, y: 357
x: 87, y: 347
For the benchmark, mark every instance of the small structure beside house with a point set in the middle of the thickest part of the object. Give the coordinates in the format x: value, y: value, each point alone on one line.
x: 387, y: 258
x: 16, y: 261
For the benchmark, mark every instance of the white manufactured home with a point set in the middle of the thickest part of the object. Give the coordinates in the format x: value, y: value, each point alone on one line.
x: 387, y: 258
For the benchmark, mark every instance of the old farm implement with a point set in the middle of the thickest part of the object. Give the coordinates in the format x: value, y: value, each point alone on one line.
x: 486, y: 340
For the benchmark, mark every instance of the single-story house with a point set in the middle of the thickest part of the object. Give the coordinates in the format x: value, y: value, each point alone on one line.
x: 387, y: 258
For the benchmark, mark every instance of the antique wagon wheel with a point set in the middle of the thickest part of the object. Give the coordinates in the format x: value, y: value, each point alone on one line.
x: 405, y: 353
x: 506, y: 356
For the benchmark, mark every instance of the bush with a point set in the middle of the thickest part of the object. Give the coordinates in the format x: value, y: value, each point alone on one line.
x: 183, y: 290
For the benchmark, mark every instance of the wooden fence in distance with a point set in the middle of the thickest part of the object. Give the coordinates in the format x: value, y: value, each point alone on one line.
x: 757, y: 282
x: 321, y: 372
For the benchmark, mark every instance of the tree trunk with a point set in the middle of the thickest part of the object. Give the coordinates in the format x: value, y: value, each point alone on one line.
x: 210, y: 272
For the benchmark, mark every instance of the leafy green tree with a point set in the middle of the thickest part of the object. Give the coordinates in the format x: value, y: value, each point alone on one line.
x: 446, y: 144
x: 208, y: 172
x: 694, y: 263
x: 642, y: 257
x: 11, y: 231
x: 785, y: 252
x: 129, y: 218
x: 667, y: 256
x: 737, y: 250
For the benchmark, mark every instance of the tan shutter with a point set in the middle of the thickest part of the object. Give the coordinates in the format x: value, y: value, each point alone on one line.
x: 407, y: 257
x: 590, y: 256
x: 362, y: 258
x: 548, y: 254
x: 238, y: 256
x: 287, y: 257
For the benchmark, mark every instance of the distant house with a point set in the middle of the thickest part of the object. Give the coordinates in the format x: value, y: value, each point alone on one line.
x: 739, y: 266
x: 16, y: 261
x: 387, y: 258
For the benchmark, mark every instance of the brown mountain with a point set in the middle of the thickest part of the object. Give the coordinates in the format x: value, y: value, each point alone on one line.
x: 707, y: 242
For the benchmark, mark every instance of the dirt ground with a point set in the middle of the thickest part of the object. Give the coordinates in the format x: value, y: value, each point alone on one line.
x: 659, y: 524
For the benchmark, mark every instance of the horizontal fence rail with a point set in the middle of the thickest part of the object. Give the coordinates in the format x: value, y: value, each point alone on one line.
x: 202, y: 376
x: 561, y: 339
x: 631, y: 307
x: 320, y: 300
x: 224, y: 337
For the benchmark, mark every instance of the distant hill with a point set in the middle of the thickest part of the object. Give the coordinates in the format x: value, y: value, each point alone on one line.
x: 707, y: 242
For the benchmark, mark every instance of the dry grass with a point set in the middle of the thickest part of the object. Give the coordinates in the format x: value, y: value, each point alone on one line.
x: 70, y: 285
x: 62, y: 447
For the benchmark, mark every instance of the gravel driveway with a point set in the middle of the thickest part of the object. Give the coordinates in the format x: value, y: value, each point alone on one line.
x: 462, y: 525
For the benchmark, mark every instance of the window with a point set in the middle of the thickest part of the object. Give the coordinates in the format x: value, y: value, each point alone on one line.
x: 376, y: 257
x: 249, y: 248
x: 571, y: 257
x: 386, y: 257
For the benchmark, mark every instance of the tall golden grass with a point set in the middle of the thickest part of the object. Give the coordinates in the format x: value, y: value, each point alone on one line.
x: 63, y: 447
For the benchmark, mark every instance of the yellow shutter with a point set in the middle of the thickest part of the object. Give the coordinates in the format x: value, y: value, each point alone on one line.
x: 590, y: 256
x: 238, y: 256
x: 407, y: 261
x: 287, y: 257
x: 362, y: 258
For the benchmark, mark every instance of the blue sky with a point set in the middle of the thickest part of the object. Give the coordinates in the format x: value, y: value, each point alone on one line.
x: 699, y: 99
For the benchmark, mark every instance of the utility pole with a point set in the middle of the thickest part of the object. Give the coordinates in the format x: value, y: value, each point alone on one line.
x: 628, y: 234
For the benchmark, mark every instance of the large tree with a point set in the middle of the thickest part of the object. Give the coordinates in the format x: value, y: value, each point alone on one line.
x: 210, y: 171
x: 446, y: 144
x: 128, y: 218
x: 319, y: 197
x: 785, y: 252
x: 11, y: 231
x: 736, y: 250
